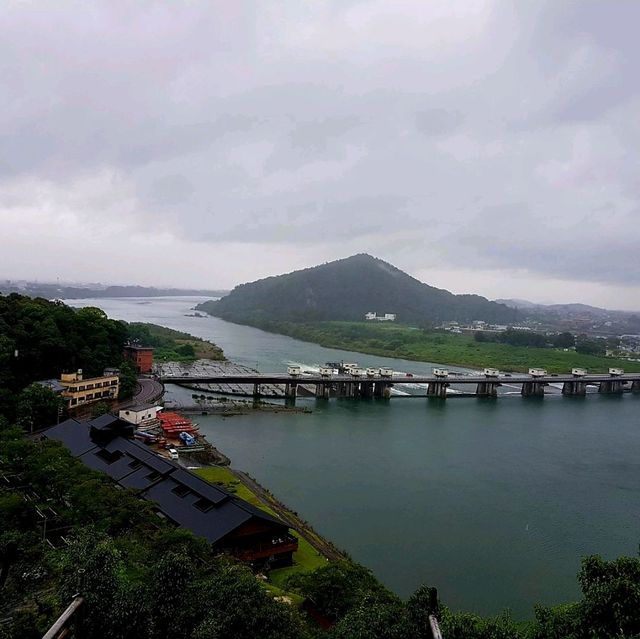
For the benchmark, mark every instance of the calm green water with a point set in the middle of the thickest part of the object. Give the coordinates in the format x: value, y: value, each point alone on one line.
x: 493, y: 502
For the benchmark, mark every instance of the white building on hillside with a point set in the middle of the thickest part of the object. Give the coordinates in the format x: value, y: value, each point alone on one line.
x: 387, y: 317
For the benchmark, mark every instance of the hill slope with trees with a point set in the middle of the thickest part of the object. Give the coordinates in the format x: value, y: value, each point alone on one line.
x: 346, y: 290
x: 40, y: 339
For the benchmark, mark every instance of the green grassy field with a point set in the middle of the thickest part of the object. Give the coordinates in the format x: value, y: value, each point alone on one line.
x: 306, y: 558
x: 393, y: 340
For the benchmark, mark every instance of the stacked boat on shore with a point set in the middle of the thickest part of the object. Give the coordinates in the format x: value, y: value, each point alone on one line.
x: 165, y: 431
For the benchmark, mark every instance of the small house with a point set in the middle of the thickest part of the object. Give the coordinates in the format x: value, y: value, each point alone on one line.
x: 138, y: 414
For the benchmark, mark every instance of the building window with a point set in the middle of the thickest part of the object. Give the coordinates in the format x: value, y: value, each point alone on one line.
x: 153, y: 475
x: 109, y: 456
x: 135, y: 464
x: 204, y: 504
x: 181, y: 490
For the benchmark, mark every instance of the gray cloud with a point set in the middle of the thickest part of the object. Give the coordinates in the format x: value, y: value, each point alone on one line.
x: 308, y: 222
x: 445, y: 137
x: 438, y: 121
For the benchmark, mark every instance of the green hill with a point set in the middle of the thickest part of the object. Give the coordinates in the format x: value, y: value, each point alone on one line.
x: 346, y: 290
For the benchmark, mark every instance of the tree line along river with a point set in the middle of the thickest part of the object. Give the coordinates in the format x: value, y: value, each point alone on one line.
x: 493, y: 502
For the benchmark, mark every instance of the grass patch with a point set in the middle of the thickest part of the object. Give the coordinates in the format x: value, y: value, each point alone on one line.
x: 222, y: 476
x: 306, y: 559
x: 275, y: 591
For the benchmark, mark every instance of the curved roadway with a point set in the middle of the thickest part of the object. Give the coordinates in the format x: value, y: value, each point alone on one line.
x: 147, y: 391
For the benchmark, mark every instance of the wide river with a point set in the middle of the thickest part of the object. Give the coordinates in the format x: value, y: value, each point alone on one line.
x: 492, y: 501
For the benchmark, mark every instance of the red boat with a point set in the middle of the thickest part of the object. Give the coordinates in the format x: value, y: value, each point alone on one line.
x: 174, y: 424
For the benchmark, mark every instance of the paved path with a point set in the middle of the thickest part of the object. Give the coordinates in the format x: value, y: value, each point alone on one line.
x: 148, y: 390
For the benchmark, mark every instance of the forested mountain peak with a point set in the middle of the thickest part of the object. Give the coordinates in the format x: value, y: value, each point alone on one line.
x: 346, y: 289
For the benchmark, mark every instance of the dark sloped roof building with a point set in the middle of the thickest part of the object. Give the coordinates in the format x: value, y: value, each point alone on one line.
x: 229, y: 523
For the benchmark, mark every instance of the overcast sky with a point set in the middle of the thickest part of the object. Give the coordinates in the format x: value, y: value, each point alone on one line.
x: 482, y: 146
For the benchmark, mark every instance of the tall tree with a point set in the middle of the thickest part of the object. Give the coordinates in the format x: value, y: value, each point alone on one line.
x: 38, y: 407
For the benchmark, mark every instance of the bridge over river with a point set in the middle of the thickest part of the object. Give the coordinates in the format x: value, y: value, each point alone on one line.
x: 375, y: 384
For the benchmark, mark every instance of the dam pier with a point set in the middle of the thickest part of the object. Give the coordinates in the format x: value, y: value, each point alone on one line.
x: 351, y: 381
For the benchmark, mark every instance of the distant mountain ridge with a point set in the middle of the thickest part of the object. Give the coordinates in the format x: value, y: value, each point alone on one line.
x: 564, y: 309
x: 347, y: 289
x: 61, y: 291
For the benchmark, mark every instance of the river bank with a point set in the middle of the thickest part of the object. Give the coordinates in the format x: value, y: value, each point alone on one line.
x: 264, y: 498
x: 427, y: 345
x: 313, y: 549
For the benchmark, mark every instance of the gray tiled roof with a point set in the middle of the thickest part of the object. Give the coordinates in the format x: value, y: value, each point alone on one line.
x: 208, y: 511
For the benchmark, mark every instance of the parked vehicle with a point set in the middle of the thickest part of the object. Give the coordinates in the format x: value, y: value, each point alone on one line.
x: 189, y: 440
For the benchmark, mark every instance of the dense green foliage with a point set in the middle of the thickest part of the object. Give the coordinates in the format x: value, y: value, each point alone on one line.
x: 515, y: 338
x: 40, y: 339
x: 363, y: 609
x: 346, y: 290
x: 591, y: 346
x: 394, y: 340
x: 128, y: 379
x: 338, y: 587
x: 582, y: 344
x: 38, y: 406
x: 172, y: 346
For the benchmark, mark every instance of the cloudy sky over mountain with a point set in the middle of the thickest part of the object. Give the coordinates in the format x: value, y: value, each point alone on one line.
x: 482, y: 146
